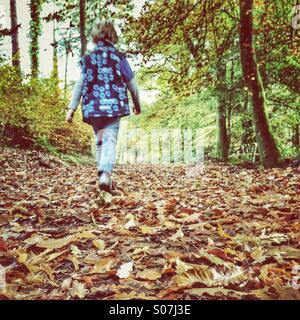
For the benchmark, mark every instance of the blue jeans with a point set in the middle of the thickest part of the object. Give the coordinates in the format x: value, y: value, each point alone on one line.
x: 106, y: 133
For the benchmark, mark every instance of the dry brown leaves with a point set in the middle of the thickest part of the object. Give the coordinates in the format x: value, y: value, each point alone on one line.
x: 230, y: 233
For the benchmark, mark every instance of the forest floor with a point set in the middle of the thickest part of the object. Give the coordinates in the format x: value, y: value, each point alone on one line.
x: 229, y: 233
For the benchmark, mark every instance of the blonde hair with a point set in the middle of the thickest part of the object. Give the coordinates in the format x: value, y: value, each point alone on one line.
x: 104, y: 30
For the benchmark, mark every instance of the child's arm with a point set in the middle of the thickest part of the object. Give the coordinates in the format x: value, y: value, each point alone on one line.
x: 129, y: 79
x: 76, y: 97
x: 134, y: 91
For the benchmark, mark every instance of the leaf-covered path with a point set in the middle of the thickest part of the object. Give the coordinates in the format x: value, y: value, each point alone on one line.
x: 230, y: 233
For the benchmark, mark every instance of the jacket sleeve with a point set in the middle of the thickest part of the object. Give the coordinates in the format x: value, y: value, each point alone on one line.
x: 129, y: 79
x: 134, y: 91
x: 77, y: 93
x: 126, y: 71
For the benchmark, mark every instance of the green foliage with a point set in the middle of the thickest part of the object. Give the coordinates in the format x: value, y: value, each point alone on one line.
x: 174, y: 112
x: 38, y: 107
x: 186, y: 43
x: 67, y: 16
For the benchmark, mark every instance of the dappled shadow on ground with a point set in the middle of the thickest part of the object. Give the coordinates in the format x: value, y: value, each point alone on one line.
x: 229, y: 233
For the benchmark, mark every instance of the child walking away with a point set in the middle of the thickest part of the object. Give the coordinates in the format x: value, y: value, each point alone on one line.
x: 105, y: 77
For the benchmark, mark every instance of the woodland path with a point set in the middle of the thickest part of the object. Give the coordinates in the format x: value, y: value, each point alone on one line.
x: 230, y: 233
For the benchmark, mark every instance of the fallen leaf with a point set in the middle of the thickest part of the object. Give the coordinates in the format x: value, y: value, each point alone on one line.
x: 86, y: 235
x: 257, y: 255
x: 216, y: 292
x: 88, y: 280
x: 181, y: 266
x: 145, y: 249
x: 125, y: 270
x: 35, y: 238
x: 66, y: 284
x: 264, y: 272
x: 130, y: 224
x: 48, y: 270
x: 55, y: 255
x: 103, y: 265
x: 22, y: 258
x: 209, y: 277
x: 3, y: 246
x: 78, y: 290
x: 221, y: 254
x: 74, y: 261
x: 149, y: 274
x: 99, y: 244
x: 131, y: 295
x: 55, y: 243
x: 223, y: 234
x: 147, y: 230
x: 75, y: 251
x: 177, y: 235
x: 212, y: 258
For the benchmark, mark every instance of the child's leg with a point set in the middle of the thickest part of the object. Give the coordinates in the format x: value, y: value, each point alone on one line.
x: 108, y: 148
x: 97, y: 124
x: 99, y: 142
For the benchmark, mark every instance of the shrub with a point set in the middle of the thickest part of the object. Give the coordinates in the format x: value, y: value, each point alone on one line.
x: 35, y: 109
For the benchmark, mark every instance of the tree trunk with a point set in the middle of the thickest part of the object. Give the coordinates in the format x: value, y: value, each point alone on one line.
x: 82, y: 28
x: 222, y: 134
x: 296, y: 137
x: 230, y: 107
x: 15, y: 36
x: 247, y: 136
x: 55, y: 56
x: 35, y: 32
x: 66, y: 70
x: 222, y: 138
x: 268, y: 150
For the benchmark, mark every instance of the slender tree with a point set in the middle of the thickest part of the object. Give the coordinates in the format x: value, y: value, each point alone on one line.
x: 83, y: 27
x: 15, y: 36
x: 68, y: 50
x: 55, y: 54
x: 222, y: 134
x: 268, y: 150
x: 35, y: 32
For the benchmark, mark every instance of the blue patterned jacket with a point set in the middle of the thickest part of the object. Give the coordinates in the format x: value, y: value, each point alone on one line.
x: 104, y: 92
